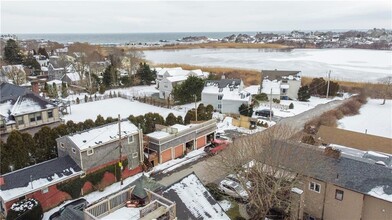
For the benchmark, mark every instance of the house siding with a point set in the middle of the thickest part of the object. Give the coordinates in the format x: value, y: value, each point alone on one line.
x: 349, y: 208
x: 313, y: 205
x: 374, y: 208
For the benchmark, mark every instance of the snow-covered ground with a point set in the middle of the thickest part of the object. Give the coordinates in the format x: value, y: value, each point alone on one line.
x: 123, y: 213
x: 299, y: 107
x: 374, y: 118
x: 113, y: 107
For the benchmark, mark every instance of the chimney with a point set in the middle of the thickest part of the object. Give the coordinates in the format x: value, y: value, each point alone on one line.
x: 332, y: 152
x: 2, y: 181
x: 35, y: 87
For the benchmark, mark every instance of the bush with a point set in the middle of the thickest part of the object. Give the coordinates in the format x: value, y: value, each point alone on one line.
x: 213, y: 189
x: 291, y: 106
x: 28, y: 209
x: 308, y: 139
x: 261, y: 97
x: 276, y: 101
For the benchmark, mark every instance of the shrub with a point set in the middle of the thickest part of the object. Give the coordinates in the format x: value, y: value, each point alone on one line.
x: 28, y: 209
x: 77, y: 100
x: 276, y: 101
x: 291, y: 106
x: 308, y: 139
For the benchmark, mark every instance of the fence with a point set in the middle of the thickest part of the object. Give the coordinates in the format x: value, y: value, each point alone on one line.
x: 108, y: 205
x: 160, y: 204
x: 274, y: 105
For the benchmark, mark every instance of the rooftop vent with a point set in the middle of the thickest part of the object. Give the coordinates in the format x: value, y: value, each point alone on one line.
x: 84, y: 141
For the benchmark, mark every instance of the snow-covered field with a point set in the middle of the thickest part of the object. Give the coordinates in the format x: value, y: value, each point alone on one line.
x: 113, y: 107
x: 374, y: 118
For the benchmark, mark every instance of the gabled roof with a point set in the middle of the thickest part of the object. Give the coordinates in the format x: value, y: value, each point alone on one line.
x: 27, y: 180
x: 366, y: 142
x: 277, y: 74
x: 193, y: 201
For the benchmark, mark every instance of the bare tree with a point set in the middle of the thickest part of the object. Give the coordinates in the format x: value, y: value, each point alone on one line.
x: 272, y: 164
x: 387, y: 93
x: 17, y: 75
x: 134, y: 57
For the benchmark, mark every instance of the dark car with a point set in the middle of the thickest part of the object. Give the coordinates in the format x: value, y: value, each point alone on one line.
x: 79, y: 204
x: 265, y: 113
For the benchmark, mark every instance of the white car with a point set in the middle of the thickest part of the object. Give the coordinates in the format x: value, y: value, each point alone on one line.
x: 234, y: 178
x: 233, y: 189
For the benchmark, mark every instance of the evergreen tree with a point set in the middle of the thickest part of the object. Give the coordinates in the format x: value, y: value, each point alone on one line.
x: 45, y: 144
x: 31, y: 62
x: 109, y: 76
x: 85, y: 98
x: 88, y: 123
x: 171, y: 119
x: 102, y: 89
x: 55, y: 93
x: 126, y: 81
x: 150, y: 120
x: 291, y: 106
x: 246, y: 110
x: 64, y: 90
x: 201, y: 112
x: 190, y: 116
x: 210, y: 109
x: 12, y: 53
x: 186, y: 91
x: 77, y: 100
x: 99, y: 120
x: 145, y: 74
x: 17, y: 151
x: 303, y: 93
x: 180, y: 120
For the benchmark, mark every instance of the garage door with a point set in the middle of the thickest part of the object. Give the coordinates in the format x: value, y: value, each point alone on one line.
x: 166, y: 155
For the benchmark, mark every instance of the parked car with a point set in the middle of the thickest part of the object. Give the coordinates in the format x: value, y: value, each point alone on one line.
x: 216, y: 146
x: 233, y: 189
x: 264, y: 113
x: 79, y: 204
x: 235, y: 178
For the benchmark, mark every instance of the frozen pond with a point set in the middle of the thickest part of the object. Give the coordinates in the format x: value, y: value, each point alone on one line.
x: 345, y: 64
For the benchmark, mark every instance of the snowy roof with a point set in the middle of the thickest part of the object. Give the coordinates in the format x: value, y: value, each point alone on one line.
x: 170, y: 70
x: 193, y: 201
x: 18, y: 183
x: 230, y: 92
x: 27, y: 104
x: 158, y: 134
x: 277, y: 74
x: 197, y: 72
x: 177, y: 78
x: 254, y: 89
x: 235, y: 95
x: 101, y: 135
x: 74, y: 77
x: 180, y: 127
x: 268, y: 85
x: 284, y: 86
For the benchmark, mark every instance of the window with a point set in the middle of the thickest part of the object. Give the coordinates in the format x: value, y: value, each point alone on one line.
x: 38, y: 116
x: 220, y: 97
x: 134, y: 155
x: 61, y: 145
x: 339, y: 194
x: 32, y: 118
x: 314, y: 187
x: 130, y: 139
x: 219, y: 106
x: 50, y: 114
x: 45, y: 190
x: 74, y: 150
x: 20, y: 120
x: 90, y: 152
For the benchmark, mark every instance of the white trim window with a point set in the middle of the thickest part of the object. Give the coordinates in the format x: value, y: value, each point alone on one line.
x: 90, y: 152
x: 130, y: 139
x: 315, y: 187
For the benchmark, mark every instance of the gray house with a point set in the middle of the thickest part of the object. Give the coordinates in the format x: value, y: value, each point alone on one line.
x: 99, y: 147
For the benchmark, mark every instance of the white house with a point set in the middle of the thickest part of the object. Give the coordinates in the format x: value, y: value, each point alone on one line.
x: 284, y: 84
x: 225, y: 95
x: 167, y: 78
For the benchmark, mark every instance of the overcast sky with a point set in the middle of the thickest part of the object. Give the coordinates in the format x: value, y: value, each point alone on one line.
x: 191, y: 16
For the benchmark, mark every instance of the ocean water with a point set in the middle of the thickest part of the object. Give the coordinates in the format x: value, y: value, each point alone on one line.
x: 114, y: 38
x: 345, y: 64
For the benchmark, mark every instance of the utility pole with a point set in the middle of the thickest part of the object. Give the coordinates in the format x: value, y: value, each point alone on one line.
x: 120, y: 147
x: 261, y: 82
x: 329, y: 79
x: 271, y: 106
x: 196, y: 107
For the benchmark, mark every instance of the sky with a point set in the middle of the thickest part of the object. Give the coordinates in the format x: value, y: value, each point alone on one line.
x: 191, y: 16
